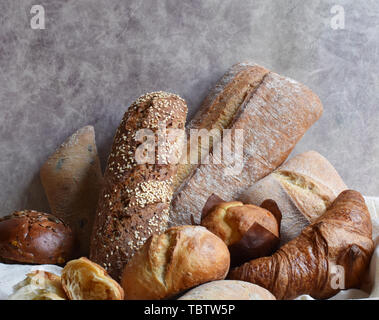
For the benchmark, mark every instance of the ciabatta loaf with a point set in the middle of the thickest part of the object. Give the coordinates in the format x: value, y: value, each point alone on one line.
x: 272, y: 112
x: 135, y: 199
x: 303, y: 188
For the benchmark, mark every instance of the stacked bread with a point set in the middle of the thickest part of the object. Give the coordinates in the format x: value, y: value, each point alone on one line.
x: 275, y: 229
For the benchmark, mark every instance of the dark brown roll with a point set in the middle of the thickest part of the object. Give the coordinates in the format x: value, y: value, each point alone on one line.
x: 34, y: 237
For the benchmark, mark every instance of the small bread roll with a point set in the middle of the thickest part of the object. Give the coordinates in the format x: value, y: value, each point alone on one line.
x: 34, y: 237
x: 177, y: 260
x: 228, y: 290
x: 83, y: 279
x: 231, y: 220
x: 39, y: 285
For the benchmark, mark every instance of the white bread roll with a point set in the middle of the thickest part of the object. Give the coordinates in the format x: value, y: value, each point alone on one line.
x: 228, y: 290
x: 303, y: 188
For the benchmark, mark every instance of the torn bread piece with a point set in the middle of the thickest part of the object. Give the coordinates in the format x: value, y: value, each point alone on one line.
x: 83, y: 279
x: 39, y: 285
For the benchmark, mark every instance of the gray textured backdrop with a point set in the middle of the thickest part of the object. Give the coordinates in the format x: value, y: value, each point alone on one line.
x: 95, y: 57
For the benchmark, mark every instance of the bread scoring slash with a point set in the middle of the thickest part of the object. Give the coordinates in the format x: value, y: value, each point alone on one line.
x: 272, y: 111
x: 135, y: 199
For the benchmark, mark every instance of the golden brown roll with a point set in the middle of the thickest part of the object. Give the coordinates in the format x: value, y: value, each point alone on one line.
x: 177, y: 260
x: 231, y: 220
x: 249, y: 231
x: 34, y: 237
x: 83, y: 279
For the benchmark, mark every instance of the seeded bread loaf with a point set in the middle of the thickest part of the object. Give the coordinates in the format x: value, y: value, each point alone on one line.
x: 303, y: 188
x: 135, y: 199
x: 272, y: 112
x: 72, y: 181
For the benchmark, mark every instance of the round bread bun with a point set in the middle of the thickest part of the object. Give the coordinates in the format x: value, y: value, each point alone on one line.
x: 36, y: 238
x: 231, y: 220
x: 228, y: 290
x: 175, y: 261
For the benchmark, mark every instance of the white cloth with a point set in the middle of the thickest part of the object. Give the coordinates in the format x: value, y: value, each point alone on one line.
x: 11, y: 274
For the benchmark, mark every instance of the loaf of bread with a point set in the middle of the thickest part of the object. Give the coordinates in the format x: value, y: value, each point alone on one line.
x: 177, y: 260
x: 228, y: 290
x: 72, y: 180
x: 36, y: 238
x: 83, y: 279
x: 135, y: 199
x: 303, y: 188
x: 273, y: 113
x: 39, y: 285
x: 331, y: 254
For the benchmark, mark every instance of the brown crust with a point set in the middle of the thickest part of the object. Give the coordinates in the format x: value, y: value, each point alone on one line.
x: 248, y: 231
x: 341, y: 237
x: 219, y: 108
x: 274, y: 117
x: 135, y: 199
x: 34, y: 237
x: 177, y: 260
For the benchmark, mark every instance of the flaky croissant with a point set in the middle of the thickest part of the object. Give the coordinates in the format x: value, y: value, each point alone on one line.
x: 340, y: 240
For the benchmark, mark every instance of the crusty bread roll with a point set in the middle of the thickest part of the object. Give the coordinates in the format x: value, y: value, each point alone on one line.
x: 273, y: 113
x: 177, y: 260
x: 135, y: 199
x: 231, y: 220
x: 83, y: 279
x: 249, y: 231
x: 72, y: 179
x: 303, y: 188
x: 34, y: 237
x: 228, y: 290
x: 39, y: 285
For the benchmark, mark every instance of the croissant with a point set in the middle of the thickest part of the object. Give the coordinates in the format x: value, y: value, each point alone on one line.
x: 331, y: 254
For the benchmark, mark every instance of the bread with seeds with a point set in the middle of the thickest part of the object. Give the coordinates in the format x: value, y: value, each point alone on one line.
x: 137, y: 190
x: 270, y: 112
x: 36, y: 238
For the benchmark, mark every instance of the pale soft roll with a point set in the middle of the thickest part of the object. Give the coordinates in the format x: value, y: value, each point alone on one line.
x: 228, y: 290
